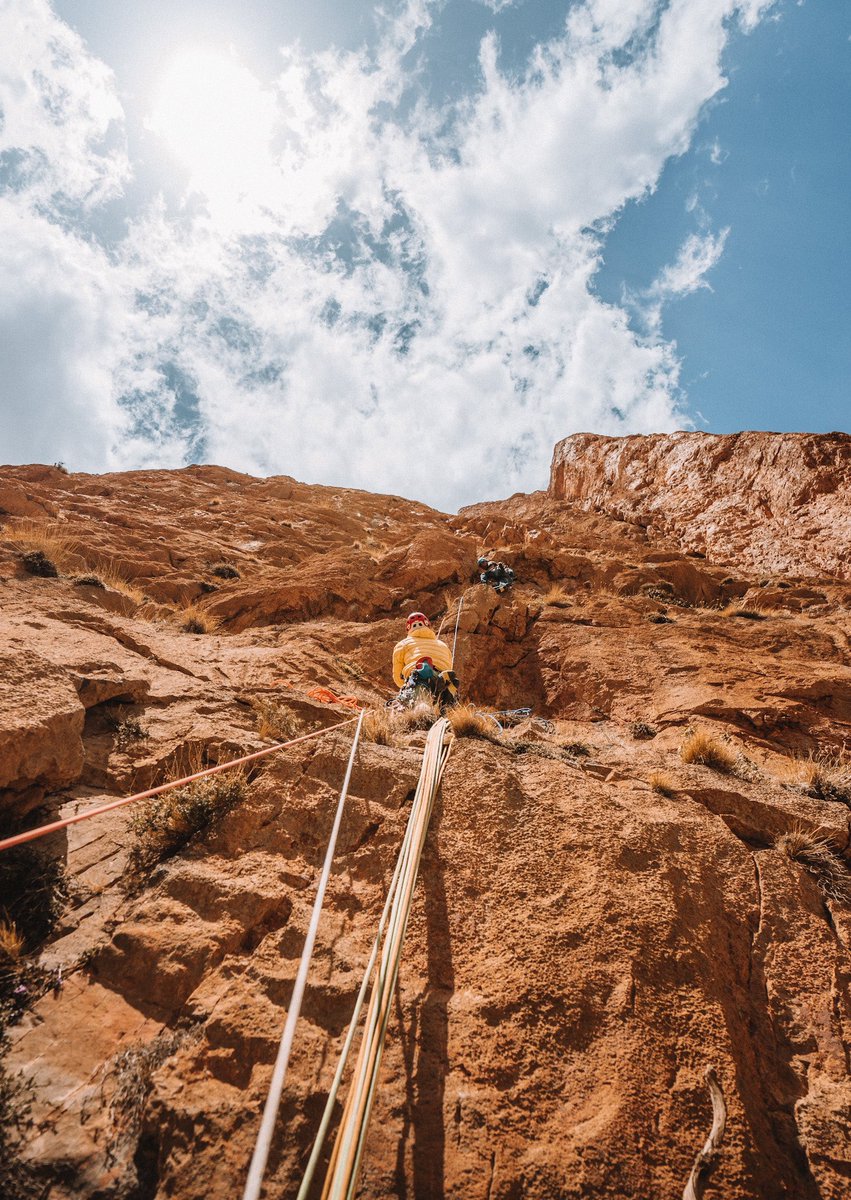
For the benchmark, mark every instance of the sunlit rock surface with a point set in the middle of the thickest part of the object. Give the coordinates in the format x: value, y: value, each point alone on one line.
x: 582, y: 946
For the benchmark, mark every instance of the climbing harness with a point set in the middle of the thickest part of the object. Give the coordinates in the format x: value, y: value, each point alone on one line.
x: 270, y: 1112
x: 42, y: 830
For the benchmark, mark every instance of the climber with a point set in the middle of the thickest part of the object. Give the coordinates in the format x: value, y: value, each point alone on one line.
x: 495, y: 574
x: 423, y: 663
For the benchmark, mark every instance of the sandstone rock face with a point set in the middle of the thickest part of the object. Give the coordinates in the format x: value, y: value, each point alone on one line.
x: 597, y: 921
x: 41, y: 722
x: 770, y: 502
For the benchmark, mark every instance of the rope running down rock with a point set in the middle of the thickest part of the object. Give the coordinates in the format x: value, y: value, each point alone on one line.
x: 270, y: 1112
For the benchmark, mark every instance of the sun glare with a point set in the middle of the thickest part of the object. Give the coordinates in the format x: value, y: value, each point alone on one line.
x: 217, y: 120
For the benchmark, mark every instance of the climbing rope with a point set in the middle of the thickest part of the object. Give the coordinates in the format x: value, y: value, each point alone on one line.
x: 455, y: 635
x: 270, y: 1112
x: 341, y: 1179
x: 322, y: 1131
x: 42, y: 830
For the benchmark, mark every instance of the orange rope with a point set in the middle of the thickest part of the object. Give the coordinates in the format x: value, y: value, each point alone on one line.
x: 41, y: 830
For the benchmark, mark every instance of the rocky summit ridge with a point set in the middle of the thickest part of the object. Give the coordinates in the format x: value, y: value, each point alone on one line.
x: 654, y: 883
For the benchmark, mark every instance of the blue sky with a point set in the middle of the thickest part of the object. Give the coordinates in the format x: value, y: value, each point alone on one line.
x: 409, y: 248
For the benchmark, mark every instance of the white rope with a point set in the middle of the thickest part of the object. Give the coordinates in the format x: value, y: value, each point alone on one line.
x: 270, y: 1112
x: 344, y: 1166
x: 310, y: 1169
x: 455, y: 636
x: 322, y: 1131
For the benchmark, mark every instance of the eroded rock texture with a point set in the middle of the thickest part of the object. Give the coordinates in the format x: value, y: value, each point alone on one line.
x: 765, y: 501
x: 596, y: 922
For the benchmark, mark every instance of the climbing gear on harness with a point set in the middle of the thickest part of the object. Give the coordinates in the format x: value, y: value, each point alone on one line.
x: 442, y: 686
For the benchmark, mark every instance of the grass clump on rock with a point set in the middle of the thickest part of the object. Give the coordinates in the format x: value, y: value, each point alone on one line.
x: 275, y: 720
x: 705, y: 749
x: 197, y: 620
x: 171, y: 821
x: 818, y: 856
x: 225, y: 570
x: 382, y: 725
x: 826, y: 778
x: 468, y: 721
x: 662, y: 784
x: 556, y: 597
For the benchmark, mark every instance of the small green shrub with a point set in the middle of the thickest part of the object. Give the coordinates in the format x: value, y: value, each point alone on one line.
x: 641, y: 731
x: 94, y: 581
x: 171, y: 821
x: 36, y: 562
x: 127, y: 729
x: 225, y: 570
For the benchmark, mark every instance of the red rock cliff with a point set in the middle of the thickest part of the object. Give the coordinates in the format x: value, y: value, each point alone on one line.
x: 772, y: 502
x: 602, y: 913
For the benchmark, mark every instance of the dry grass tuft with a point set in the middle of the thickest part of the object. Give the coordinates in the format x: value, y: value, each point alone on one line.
x: 41, y: 541
x: 275, y: 720
x: 825, y: 777
x: 704, y: 748
x: 751, y: 612
x: 819, y: 857
x: 195, y: 619
x: 383, y: 725
x: 663, y: 784
x: 112, y: 577
x: 11, y: 941
x: 379, y: 726
x: 468, y: 721
x: 169, y: 822
x: 556, y: 597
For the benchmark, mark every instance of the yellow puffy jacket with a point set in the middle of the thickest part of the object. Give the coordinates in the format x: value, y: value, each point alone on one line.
x: 422, y: 643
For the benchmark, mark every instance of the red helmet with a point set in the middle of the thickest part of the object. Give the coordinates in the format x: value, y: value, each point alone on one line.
x: 414, y: 617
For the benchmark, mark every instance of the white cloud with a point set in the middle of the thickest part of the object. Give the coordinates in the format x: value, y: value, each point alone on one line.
x: 399, y: 298
x: 59, y: 111
x: 59, y: 331
x: 696, y: 257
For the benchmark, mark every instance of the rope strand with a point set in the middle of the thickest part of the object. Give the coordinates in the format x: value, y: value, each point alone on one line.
x: 42, y: 830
